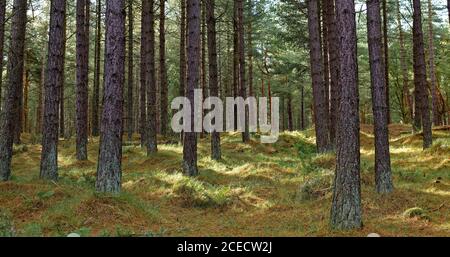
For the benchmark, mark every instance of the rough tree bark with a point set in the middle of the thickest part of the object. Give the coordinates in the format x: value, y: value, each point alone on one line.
x: 346, y: 207
x: 130, y: 121
x: 383, y: 175
x: 152, y: 144
x: 213, y: 70
x: 326, y: 53
x: 2, y: 41
x: 82, y: 80
x: 250, y: 48
x: 420, y: 75
x: 320, y: 106
x: 53, y: 84
x: 182, y: 53
x: 109, y: 170
x: 39, y: 106
x: 193, y: 60
x: 96, y: 89
x: 162, y: 68
x: 62, y: 125
x: 15, y: 83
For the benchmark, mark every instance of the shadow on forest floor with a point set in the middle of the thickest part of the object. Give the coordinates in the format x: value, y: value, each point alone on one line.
x: 283, y: 189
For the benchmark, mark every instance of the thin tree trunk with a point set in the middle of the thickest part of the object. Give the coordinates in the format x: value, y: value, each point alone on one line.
x: 386, y: 59
x: 82, y: 80
x: 53, y: 84
x: 241, y: 65
x: 162, y: 69
x: 383, y: 175
x: 25, y: 101
x: 333, y: 48
x: 193, y: 59
x: 404, y: 66
x: 39, y: 106
x: 320, y: 106
x: 62, y: 127
x: 302, y: 108
x: 420, y: 75
x: 182, y: 53
x: 109, y: 171
x: 152, y: 145
x: 346, y: 207
x: 96, y: 90
x: 15, y: 83
x: 130, y: 122
x: 145, y: 30
x: 326, y: 51
x: 250, y: 48
x: 2, y: 41
x: 213, y: 71
x: 434, y: 89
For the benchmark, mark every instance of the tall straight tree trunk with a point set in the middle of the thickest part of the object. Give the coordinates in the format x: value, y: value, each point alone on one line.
x: 62, y: 125
x: 182, y: 53
x: 130, y: 122
x: 193, y: 59
x: 162, y: 69
x: 96, y: 90
x: 325, y: 50
x: 404, y: 66
x: 333, y: 47
x: 109, y: 171
x: 213, y: 71
x: 82, y: 80
x: 39, y: 106
x: 54, y: 82
x: 250, y: 48
x: 152, y: 144
x: 145, y: 21
x: 420, y: 75
x: 15, y: 83
x: 346, y: 207
x: 386, y: 58
x: 290, y: 114
x: 26, y: 87
x: 241, y: 62
x: 434, y: 88
x: 383, y: 175
x: 2, y: 41
x: 320, y: 103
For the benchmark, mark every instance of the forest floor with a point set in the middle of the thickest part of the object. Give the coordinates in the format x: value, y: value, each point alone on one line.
x: 282, y: 189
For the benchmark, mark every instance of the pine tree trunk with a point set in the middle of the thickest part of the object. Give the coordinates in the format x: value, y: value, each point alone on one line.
x: 2, y: 41
x: 406, y: 99
x: 130, y: 122
x: 25, y: 101
x: 433, y: 79
x: 143, y: 71
x: 15, y: 82
x: 333, y: 48
x: 326, y: 51
x: 213, y: 70
x: 241, y: 64
x: 82, y: 80
x: 182, y: 53
x: 250, y: 49
x: 420, y: 75
x: 96, y: 89
x: 193, y: 59
x: 383, y: 175
x: 152, y: 145
x: 320, y: 103
x: 39, y: 105
x: 62, y: 126
x: 53, y: 84
x: 109, y: 171
x: 346, y: 207
x: 162, y: 69
x: 386, y: 59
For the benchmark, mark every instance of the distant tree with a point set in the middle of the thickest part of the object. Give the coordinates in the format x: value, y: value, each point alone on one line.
x: 143, y: 71
x: 130, y: 82
x: 433, y: 79
x: 241, y: 64
x: 193, y: 60
x: 109, y: 170
x: 386, y: 58
x: 182, y: 53
x: 162, y: 68
x: 346, y: 206
x: 420, y: 75
x: 96, y: 89
x: 152, y: 117
x: 10, y: 108
x: 54, y: 83
x: 383, y: 175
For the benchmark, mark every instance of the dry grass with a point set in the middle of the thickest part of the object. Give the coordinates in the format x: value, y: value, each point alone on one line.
x: 254, y: 191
